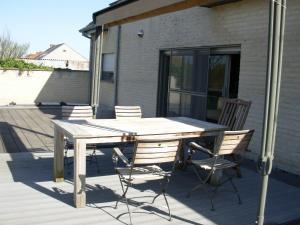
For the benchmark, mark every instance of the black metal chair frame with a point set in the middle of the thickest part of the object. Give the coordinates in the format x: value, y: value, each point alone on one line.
x: 214, y: 163
x: 131, y: 166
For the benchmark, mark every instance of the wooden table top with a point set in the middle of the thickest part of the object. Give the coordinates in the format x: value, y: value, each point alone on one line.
x: 93, y: 128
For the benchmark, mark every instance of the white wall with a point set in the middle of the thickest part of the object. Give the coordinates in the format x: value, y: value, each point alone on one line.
x: 62, y: 64
x: 44, y: 86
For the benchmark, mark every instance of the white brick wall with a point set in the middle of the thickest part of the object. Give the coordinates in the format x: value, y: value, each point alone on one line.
x: 44, y: 86
x: 244, y: 23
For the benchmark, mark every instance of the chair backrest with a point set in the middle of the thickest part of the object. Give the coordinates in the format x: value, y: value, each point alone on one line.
x: 155, y: 151
x: 127, y: 112
x: 76, y: 112
x: 235, y: 142
x: 234, y: 113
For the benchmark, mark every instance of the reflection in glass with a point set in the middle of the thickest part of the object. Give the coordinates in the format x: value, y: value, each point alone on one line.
x: 217, y: 85
x: 175, y: 72
x: 174, y: 104
x: 187, y: 73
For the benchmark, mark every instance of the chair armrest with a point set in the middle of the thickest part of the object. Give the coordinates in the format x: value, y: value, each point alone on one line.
x: 195, y: 146
x: 117, y: 153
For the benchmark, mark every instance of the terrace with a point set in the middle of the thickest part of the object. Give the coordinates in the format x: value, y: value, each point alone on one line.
x: 29, y: 196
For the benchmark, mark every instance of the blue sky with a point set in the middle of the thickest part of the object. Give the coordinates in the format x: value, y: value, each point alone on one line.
x: 44, y: 22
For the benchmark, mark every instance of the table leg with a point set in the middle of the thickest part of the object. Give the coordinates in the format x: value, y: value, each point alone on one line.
x: 58, y: 173
x: 79, y: 173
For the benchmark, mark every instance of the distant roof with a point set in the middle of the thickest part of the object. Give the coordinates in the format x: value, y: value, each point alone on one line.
x: 51, y: 49
x: 69, y: 54
x: 33, y: 55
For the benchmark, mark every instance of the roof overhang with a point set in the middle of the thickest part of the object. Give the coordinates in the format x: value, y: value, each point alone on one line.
x: 133, y: 10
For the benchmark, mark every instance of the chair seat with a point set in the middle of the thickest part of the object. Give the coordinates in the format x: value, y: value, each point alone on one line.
x: 207, y: 164
x: 144, y: 172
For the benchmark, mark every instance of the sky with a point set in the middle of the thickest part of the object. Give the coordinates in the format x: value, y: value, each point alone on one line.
x: 44, y: 22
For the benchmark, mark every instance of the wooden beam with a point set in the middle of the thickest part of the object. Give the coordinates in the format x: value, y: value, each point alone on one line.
x: 143, y: 9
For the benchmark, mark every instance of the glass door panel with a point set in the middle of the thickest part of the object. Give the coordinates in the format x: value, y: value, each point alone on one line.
x: 176, y: 65
x: 218, y: 85
x: 188, y: 83
x: 174, y: 104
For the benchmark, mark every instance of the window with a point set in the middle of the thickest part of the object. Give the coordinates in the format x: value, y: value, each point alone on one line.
x: 194, y: 82
x: 108, y: 64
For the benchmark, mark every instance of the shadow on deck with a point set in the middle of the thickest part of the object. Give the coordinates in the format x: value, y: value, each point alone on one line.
x: 29, y: 196
x: 26, y: 181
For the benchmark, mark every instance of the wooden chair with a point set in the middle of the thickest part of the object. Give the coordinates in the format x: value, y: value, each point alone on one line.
x: 149, y: 153
x: 128, y: 112
x: 78, y: 113
x: 234, y: 113
x: 232, y: 142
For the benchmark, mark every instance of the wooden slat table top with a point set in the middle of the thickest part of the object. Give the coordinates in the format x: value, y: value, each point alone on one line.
x: 93, y: 128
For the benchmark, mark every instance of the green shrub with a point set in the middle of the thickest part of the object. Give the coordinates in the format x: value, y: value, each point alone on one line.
x: 21, y: 65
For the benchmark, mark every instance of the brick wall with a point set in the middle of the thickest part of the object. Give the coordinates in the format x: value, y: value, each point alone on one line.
x: 244, y: 23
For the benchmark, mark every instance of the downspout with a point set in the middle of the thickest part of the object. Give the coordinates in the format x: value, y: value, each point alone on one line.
x: 92, y: 41
x: 275, y: 49
x: 118, y: 40
x: 98, y: 71
x: 91, y: 36
x: 94, y: 102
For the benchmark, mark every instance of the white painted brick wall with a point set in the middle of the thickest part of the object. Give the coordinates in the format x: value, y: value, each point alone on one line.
x: 44, y: 86
x: 244, y: 23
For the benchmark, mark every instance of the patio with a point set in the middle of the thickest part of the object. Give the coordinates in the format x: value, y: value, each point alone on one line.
x: 29, y: 196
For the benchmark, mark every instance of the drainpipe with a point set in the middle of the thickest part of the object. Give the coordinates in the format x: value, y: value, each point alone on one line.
x: 118, y: 40
x: 94, y: 102
x: 99, y: 71
x: 92, y: 41
x: 273, y: 81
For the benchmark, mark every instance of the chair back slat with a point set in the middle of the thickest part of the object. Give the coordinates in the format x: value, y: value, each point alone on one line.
x: 154, y: 151
x: 235, y: 142
x: 234, y: 113
x: 127, y: 112
x: 77, y: 112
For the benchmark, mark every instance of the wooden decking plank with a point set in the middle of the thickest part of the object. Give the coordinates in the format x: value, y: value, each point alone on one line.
x: 8, y: 143
x: 46, y: 119
x: 25, y: 137
x: 2, y: 145
x: 26, y: 125
x: 15, y: 132
x: 36, y: 127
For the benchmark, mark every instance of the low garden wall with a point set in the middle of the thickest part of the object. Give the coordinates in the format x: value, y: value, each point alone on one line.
x: 32, y: 87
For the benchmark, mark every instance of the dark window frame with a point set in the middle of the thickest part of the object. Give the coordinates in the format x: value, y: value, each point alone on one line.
x: 164, y: 90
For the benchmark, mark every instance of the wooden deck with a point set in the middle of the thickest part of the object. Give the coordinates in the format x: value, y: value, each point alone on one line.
x: 27, y: 129
x: 28, y: 196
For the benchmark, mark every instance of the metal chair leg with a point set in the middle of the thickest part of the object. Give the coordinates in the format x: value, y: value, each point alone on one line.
x: 124, y: 197
x: 94, y: 156
x: 169, y: 211
x: 236, y: 191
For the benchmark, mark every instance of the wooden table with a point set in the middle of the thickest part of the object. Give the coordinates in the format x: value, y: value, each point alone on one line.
x: 84, y: 132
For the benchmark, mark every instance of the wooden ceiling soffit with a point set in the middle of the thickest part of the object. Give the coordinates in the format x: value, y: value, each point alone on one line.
x: 142, y: 9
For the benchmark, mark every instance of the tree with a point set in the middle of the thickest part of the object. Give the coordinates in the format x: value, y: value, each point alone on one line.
x: 10, y: 49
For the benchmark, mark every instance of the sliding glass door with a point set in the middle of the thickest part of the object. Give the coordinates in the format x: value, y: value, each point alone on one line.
x: 193, y: 83
x: 187, y: 91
